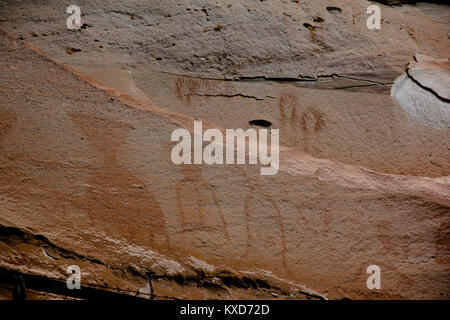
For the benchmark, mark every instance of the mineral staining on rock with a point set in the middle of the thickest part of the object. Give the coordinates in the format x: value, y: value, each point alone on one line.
x: 87, y: 179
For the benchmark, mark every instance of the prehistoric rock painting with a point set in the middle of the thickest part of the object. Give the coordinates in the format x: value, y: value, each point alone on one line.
x: 116, y: 200
x: 87, y: 179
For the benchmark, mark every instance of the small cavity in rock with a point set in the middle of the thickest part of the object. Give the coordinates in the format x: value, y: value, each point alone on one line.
x: 72, y: 50
x: 334, y: 9
x: 260, y: 123
x: 309, y: 26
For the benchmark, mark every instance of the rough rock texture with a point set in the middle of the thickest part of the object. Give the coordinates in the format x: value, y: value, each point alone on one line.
x: 235, y: 39
x: 423, y: 91
x: 87, y: 179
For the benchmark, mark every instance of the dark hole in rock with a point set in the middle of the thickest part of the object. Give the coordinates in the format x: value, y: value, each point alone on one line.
x: 309, y: 26
x: 260, y: 123
x: 334, y: 9
x: 318, y: 19
x: 72, y: 50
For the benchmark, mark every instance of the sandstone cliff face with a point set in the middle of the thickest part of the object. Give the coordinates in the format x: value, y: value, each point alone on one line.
x: 85, y: 163
x: 236, y: 39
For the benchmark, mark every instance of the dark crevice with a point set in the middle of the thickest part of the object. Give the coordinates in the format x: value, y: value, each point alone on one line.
x: 220, y: 280
x: 426, y: 88
x: 320, y: 78
x: 228, y: 95
x: 23, y: 281
x: 401, y: 2
x: 10, y: 235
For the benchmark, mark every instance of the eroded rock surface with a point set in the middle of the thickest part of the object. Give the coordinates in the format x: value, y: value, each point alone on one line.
x: 86, y: 176
x: 87, y: 180
x: 423, y: 91
x: 235, y: 39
